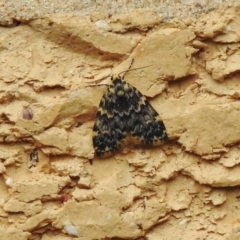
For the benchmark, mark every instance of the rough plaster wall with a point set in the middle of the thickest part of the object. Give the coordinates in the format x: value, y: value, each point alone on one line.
x: 53, y: 73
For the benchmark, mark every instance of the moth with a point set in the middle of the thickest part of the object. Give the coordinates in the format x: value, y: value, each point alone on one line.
x: 125, y: 117
x: 33, y: 158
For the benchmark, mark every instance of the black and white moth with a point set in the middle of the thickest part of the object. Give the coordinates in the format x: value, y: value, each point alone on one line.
x: 125, y: 117
x: 33, y: 158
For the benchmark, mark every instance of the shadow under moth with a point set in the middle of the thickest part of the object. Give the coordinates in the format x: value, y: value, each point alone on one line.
x: 125, y: 117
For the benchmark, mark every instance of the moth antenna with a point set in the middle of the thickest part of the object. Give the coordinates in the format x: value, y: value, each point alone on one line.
x: 134, y: 69
x: 119, y: 74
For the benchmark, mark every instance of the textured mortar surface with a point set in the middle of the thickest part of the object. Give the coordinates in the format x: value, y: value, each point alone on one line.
x: 54, y: 71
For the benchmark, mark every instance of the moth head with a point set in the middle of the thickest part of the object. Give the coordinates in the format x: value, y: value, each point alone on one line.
x: 120, y: 86
x: 115, y: 77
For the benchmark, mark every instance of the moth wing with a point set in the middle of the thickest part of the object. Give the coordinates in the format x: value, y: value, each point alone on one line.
x: 108, y: 134
x: 145, y: 123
